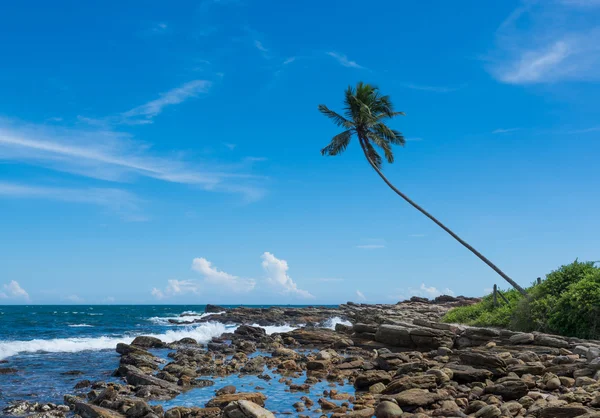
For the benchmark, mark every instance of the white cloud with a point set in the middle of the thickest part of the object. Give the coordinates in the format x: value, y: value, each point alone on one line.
x: 429, y: 291
x: 218, y: 277
x: 260, y: 46
x: 548, y: 42
x: 13, y: 290
x: 277, y: 275
x: 109, y: 299
x: 344, y: 61
x: 114, y: 156
x: 172, y: 97
x: 125, y: 204
x: 176, y: 288
x: 360, y: 295
x: 289, y: 60
x: 505, y: 131
x: 370, y: 246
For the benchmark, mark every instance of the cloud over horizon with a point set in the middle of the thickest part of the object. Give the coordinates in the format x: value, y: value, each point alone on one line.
x: 13, y: 290
x: 277, y: 276
x: 218, y: 277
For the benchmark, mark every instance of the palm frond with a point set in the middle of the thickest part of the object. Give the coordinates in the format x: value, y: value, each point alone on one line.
x: 373, y: 155
x: 338, y: 119
x: 391, y: 135
x: 338, y: 143
x: 383, y: 144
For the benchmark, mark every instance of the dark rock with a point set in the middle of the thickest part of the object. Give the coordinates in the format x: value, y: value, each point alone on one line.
x: 369, y: 378
x: 7, y: 370
x: 214, y: 309
x: 226, y: 390
x: 422, y: 381
x: 509, y: 390
x: 83, y: 384
x: 148, y: 342
x: 468, y: 374
x: 484, y: 360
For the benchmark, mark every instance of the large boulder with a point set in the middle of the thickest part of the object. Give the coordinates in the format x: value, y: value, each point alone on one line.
x: 248, y: 332
x: 410, y: 336
x: 419, y: 381
x: 245, y: 409
x: 148, y: 342
x: 319, y: 337
x: 387, y: 409
x: 214, y: 309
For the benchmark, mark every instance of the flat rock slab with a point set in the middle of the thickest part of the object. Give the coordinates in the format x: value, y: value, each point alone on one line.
x: 91, y: 411
x: 223, y: 400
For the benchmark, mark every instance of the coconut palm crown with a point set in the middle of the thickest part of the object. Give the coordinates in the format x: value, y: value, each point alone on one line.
x: 366, y: 111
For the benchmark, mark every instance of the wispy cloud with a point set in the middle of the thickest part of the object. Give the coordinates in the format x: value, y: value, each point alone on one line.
x: 114, y: 156
x: 505, y: 131
x: 433, y: 89
x: 547, y: 42
x: 119, y: 201
x: 370, y: 246
x: 149, y: 110
x: 277, y: 271
x: 13, y: 290
x: 214, y: 276
x: 360, y: 295
x: 258, y: 45
x: 176, y: 288
x: 289, y: 60
x: 72, y: 299
x: 344, y: 61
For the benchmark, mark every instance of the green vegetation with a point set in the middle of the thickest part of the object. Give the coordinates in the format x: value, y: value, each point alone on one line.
x: 365, y: 112
x: 567, y: 302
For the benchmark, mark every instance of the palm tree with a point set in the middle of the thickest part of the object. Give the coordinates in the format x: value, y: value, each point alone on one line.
x: 365, y: 112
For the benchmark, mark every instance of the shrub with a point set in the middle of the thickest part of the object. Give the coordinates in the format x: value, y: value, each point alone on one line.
x: 567, y: 302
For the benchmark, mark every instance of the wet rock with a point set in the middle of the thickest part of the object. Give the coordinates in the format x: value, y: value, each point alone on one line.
x: 221, y: 401
x: 7, y: 370
x: 138, y: 410
x: 226, y: 390
x: 214, y: 309
x: 250, y: 333
x: 245, y: 409
x: 317, y: 365
x: 148, y: 342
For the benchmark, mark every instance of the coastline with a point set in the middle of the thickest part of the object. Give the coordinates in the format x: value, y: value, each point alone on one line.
x: 350, y: 360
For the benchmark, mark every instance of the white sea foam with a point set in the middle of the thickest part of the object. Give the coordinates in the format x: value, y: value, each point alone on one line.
x: 80, y: 325
x: 332, y: 322
x: 272, y: 329
x: 189, y: 317
x: 202, y: 333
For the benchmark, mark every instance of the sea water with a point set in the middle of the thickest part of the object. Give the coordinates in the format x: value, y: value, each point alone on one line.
x: 54, y: 347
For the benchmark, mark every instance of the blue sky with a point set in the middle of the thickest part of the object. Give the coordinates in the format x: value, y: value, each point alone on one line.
x: 160, y: 154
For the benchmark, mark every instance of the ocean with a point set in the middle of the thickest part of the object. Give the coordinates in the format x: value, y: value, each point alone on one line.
x: 54, y: 347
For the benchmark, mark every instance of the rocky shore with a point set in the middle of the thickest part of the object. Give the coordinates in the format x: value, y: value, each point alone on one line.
x: 400, y: 359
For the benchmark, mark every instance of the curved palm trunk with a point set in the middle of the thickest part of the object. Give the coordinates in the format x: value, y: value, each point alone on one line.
x: 441, y: 225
